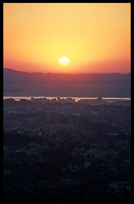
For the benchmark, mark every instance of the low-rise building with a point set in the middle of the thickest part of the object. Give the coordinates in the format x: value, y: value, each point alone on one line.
x: 119, y: 186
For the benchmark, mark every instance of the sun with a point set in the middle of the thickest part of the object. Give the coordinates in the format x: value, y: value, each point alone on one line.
x: 64, y: 61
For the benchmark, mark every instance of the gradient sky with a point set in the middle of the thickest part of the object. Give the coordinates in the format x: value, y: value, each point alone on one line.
x: 96, y: 37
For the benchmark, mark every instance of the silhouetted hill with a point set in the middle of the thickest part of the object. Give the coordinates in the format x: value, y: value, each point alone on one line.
x: 70, y: 84
x: 106, y: 79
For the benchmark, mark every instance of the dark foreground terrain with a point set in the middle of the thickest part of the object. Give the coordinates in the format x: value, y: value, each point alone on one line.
x: 66, y: 151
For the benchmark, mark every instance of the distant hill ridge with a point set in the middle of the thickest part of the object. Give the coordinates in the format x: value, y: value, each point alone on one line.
x: 18, y: 83
x: 10, y: 75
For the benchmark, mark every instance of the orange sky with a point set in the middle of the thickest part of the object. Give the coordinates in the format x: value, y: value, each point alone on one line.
x: 94, y: 36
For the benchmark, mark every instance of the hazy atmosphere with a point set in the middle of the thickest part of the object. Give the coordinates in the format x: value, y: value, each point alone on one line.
x: 67, y: 102
x: 94, y: 36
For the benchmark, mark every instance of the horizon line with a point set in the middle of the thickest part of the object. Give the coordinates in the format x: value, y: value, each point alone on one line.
x: 44, y: 72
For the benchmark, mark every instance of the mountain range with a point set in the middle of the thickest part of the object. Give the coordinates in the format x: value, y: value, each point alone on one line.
x: 36, y: 83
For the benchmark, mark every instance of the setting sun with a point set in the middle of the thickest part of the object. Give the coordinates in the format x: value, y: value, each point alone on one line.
x: 95, y: 36
x: 64, y: 61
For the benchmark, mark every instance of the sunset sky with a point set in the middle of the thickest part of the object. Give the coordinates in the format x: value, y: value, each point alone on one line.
x: 96, y: 37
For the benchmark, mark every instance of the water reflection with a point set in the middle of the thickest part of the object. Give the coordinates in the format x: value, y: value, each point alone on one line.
x: 17, y: 98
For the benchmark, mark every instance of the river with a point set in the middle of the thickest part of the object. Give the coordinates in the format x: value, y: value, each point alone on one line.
x: 17, y: 98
